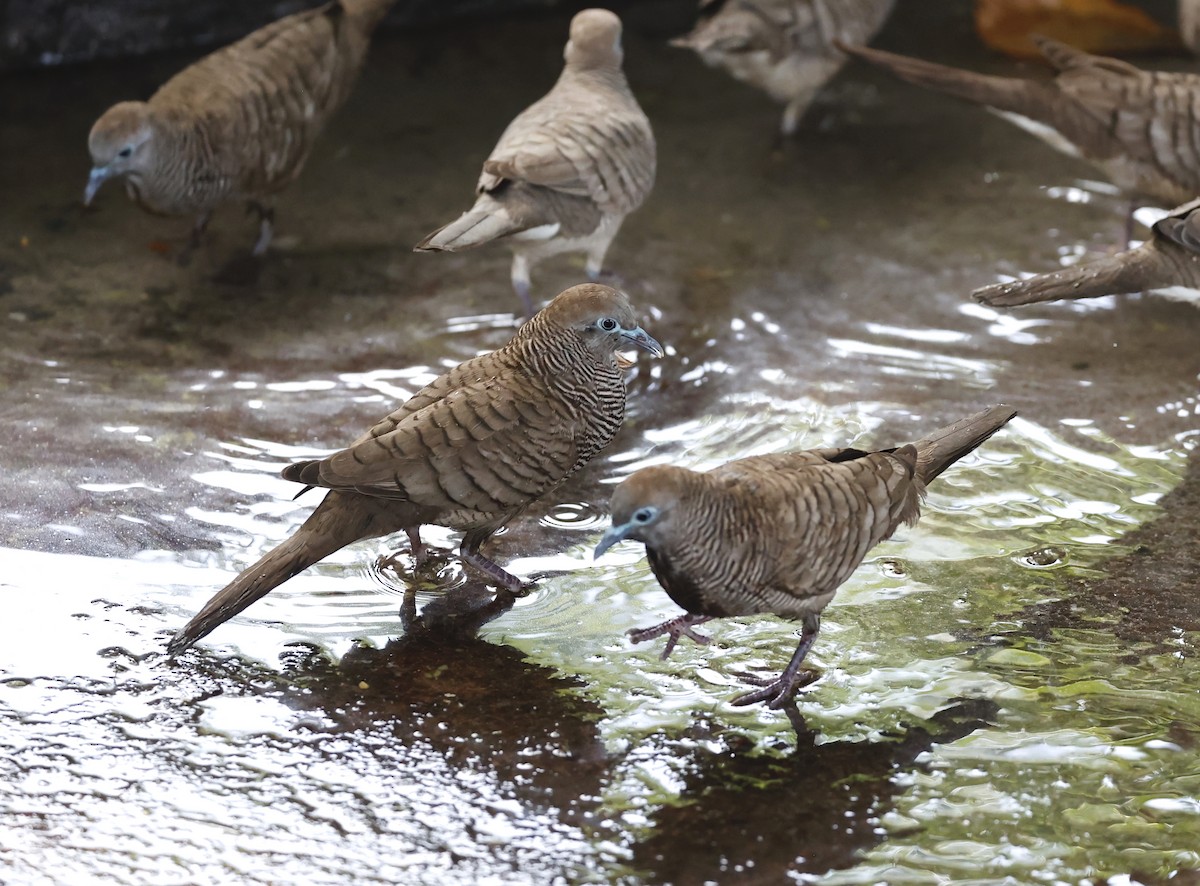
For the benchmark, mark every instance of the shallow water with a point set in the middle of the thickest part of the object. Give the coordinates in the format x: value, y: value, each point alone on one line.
x: 988, y: 708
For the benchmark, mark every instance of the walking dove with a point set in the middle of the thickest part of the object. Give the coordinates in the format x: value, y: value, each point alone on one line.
x: 778, y: 533
x: 1139, y: 127
x: 238, y: 124
x: 568, y: 169
x: 783, y: 47
x: 470, y: 451
x: 1167, y: 264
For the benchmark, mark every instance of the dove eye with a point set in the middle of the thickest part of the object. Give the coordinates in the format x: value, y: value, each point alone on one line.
x: 608, y: 324
x: 643, y: 515
x: 126, y: 151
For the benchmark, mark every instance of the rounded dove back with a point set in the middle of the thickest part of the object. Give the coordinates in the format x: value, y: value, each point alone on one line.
x: 238, y: 124
x: 778, y: 533
x: 568, y: 169
x: 469, y: 451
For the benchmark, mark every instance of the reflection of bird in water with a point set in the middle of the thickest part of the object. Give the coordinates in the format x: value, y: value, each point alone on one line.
x: 1167, y: 264
x: 240, y: 123
x: 779, y: 533
x: 494, y: 709
x: 808, y: 812
x: 1141, y: 128
x: 568, y: 169
x: 783, y: 47
x: 469, y: 451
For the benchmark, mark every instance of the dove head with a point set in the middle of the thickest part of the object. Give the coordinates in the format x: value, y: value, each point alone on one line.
x: 595, y: 40
x: 600, y: 316
x: 121, y: 143
x: 650, y: 507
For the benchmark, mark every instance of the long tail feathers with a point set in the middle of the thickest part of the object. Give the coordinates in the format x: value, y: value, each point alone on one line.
x: 329, y: 528
x: 944, y: 447
x: 1028, y: 98
x: 473, y: 228
x: 1133, y: 271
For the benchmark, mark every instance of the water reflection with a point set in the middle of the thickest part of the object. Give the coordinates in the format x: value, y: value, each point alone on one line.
x: 765, y: 818
x: 338, y: 732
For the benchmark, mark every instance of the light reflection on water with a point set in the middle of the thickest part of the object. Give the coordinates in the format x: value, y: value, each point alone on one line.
x: 905, y: 639
x: 978, y: 715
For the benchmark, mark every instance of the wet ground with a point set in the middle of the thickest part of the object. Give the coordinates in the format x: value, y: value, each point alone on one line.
x: 1008, y: 688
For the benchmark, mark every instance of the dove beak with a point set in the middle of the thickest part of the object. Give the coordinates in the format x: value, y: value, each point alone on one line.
x: 614, y: 535
x: 638, y: 336
x: 98, y: 176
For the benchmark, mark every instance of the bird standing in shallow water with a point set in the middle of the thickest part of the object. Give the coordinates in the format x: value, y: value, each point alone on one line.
x: 469, y: 451
x: 1141, y: 128
x: 1168, y: 264
x: 783, y: 47
x: 778, y: 533
x: 568, y: 169
x: 238, y: 124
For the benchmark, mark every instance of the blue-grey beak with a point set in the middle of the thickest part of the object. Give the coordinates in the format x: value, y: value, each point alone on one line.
x: 638, y: 336
x: 98, y: 176
x: 615, y: 533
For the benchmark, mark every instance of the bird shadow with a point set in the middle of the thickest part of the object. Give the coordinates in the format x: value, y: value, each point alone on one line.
x: 771, y: 817
x: 474, y: 702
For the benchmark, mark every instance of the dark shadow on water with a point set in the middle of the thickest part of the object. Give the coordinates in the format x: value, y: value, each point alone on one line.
x: 477, y: 703
x: 761, y: 818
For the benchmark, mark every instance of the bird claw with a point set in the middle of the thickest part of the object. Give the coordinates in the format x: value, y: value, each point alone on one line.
x: 676, y: 628
x: 778, y: 692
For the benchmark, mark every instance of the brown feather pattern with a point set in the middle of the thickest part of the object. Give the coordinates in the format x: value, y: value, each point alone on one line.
x: 1169, y: 263
x: 779, y: 533
x: 240, y: 123
x: 469, y: 451
x: 574, y: 163
x: 1141, y: 128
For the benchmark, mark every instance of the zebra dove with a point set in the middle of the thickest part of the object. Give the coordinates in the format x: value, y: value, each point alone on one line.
x: 238, y: 124
x: 783, y: 47
x: 470, y: 451
x: 1167, y: 264
x: 568, y: 169
x: 1141, y: 128
x: 778, y: 533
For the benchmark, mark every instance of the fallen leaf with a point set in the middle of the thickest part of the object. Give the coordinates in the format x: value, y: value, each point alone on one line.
x: 1103, y: 27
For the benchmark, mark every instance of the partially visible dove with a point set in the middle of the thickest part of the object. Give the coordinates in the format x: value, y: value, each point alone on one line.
x: 568, y: 169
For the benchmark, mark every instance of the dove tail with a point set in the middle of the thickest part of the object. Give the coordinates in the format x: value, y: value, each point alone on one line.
x: 944, y: 447
x: 329, y: 528
x: 1027, y: 98
x: 1132, y: 271
x: 473, y: 228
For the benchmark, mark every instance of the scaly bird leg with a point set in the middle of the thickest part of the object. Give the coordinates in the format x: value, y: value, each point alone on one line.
x: 676, y: 627
x: 418, y: 551
x: 266, y: 226
x: 419, y: 554
x: 780, y: 691
x: 468, y: 552
x: 194, y: 240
